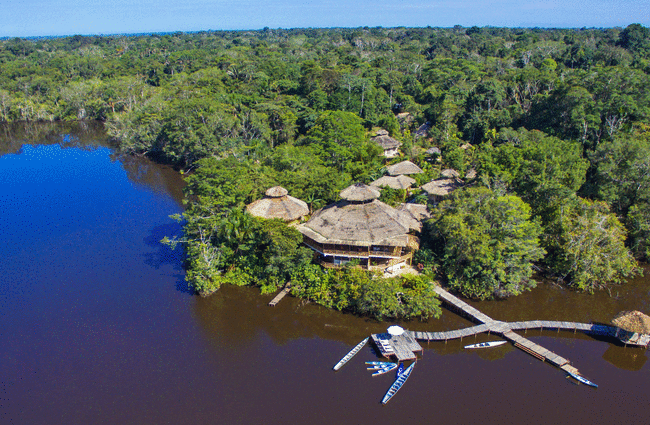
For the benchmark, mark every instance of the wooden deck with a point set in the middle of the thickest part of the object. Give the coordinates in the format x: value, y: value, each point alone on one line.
x: 506, y: 329
x: 398, y: 347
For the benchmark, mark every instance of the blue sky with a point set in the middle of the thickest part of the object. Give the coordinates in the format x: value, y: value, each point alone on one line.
x: 23, y: 18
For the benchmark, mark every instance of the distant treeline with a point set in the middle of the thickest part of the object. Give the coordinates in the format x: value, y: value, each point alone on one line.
x: 556, y: 123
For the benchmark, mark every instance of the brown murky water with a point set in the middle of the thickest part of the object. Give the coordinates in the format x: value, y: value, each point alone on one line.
x: 97, y: 327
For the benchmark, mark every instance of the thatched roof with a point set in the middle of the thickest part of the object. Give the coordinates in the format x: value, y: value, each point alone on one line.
x: 470, y: 174
x: 422, y: 130
x: 404, y: 167
x: 360, y: 192
x: 399, y: 182
x: 450, y: 173
x: 386, y: 142
x: 434, y: 151
x: 441, y: 187
x: 404, y: 116
x: 277, y: 204
x: 632, y: 321
x: 381, y: 132
x: 360, y: 224
x: 417, y: 211
x: 276, y: 192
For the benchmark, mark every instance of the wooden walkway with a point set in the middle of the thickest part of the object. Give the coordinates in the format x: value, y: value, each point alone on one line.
x: 502, y: 327
x: 506, y: 329
x: 281, y: 294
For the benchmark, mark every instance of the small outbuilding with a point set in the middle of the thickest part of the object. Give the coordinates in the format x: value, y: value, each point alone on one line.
x: 387, y: 143
x: 437, y: 190
x: 404, y: 168
x: 450, y: 173
x: 633, y: 327
x: 399, y: 182
x: 278, y: 204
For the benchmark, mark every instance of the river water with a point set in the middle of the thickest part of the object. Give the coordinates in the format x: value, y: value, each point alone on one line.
x: 97, y: 325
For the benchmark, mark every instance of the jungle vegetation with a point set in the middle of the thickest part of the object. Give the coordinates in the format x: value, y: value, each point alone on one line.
x: 555, y: 123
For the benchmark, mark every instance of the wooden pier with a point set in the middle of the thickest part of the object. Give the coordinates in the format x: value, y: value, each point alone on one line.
x: 281, y: 294
x: 506, y: 329
x: 405, y: 346
x: 399, y: 347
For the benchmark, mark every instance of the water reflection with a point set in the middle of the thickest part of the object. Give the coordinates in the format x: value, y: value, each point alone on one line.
x: 295, y: 319
x: 159, y: 178
x: 163, y: 180
x: 82, y: 135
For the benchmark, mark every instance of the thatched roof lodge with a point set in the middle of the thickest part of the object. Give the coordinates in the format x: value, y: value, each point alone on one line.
x: 278, y: 204
x: 399, y: 182
x: 404, y: 167
x: 361, y: 227
x: 387, y: 143
x: 633, y: 327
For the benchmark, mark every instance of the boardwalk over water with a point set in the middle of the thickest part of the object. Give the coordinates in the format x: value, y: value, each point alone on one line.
x: 487, y: 324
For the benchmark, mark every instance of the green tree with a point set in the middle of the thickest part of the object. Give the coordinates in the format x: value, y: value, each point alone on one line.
x: 622, y: 169
x: 586, y: 246
x: 540, y: 169
x: 489, y: 243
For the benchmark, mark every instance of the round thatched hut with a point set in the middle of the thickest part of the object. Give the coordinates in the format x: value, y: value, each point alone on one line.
x: 361, y: 227
x: 404, y: 167
x: 399, y: 182
x: 278, y: 204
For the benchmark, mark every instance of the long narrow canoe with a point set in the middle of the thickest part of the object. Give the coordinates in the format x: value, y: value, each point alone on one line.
x: 486, y: 344
x: 398, y: 384
x: 351, y: 354
x: 582, y: 379
x: 379, y: 366
x: 385, y: 369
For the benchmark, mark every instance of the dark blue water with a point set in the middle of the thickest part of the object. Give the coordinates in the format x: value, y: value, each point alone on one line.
x: 97, y: 325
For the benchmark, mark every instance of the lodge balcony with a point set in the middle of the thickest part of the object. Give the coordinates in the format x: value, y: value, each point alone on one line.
x: 373, y: 251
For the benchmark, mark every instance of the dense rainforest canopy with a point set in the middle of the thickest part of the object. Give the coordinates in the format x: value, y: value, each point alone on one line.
x: 554, y: 123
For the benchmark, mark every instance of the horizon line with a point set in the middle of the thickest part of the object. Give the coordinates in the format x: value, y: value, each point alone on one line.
x: 148, y: 33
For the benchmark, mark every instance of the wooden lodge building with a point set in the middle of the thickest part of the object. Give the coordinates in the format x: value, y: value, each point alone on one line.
x: 361, y: 227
